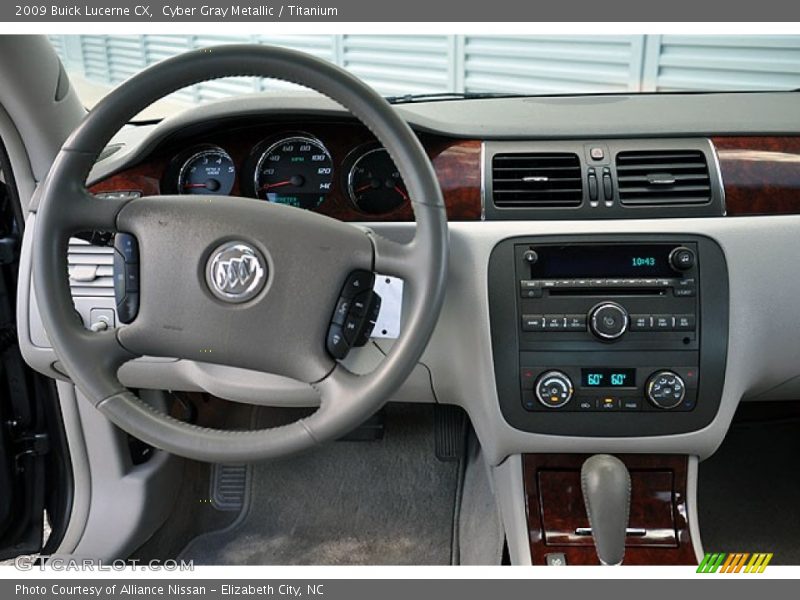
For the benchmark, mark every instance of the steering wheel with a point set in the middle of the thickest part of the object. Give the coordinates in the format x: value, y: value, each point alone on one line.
x: 282, y: 268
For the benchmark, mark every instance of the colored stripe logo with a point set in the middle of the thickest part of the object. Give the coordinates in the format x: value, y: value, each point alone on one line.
x: 737, y: 562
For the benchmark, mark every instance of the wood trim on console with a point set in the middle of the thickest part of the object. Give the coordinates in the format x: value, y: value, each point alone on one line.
x: 761, y: 175
x: 555, y: 508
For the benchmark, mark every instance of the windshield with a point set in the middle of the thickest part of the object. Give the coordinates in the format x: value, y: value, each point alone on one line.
x: 403, y: 66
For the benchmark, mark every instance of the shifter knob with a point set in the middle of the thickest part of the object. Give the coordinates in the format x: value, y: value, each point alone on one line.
x: 606, y: 486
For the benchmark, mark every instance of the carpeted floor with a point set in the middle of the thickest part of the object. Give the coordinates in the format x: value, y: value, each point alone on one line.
x: 385, y: 502
x: 749, y: 491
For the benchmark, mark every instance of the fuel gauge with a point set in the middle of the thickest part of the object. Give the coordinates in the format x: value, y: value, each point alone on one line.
x: 374, y: 184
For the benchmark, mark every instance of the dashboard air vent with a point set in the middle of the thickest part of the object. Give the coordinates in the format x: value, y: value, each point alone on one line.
x: 661, y: 178
x: 536, y: 180
x: 91, y: 269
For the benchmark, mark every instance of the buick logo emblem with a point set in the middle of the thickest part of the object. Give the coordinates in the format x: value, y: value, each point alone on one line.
x: 236, y: 272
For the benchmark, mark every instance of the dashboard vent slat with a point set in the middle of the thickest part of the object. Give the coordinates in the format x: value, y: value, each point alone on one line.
x: 91, y: 269
x: 537, y: 180
x: 663, y: 178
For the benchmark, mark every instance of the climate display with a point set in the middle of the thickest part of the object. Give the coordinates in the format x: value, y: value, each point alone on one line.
x: 608, y: 378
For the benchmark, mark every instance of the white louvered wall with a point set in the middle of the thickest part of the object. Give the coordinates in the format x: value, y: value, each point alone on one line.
x: 402, y: 64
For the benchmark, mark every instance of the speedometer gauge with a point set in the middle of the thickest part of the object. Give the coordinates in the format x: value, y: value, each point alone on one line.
x: 209, y: 170
x: 296, y: 170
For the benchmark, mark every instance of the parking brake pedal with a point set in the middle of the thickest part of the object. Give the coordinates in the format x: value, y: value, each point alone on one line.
x: 229, y: 486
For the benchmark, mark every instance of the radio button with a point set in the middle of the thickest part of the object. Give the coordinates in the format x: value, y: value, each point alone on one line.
x: 663, y: 322
x: 684, y: 292
x: 554, y: 322
x: 576, y: 322
x: 609, y: 320
x: 641, y: 323
x: 684, y: 322
x: 685, y: 287
x: 532, y: 323
x: 681, y: 258
x: 530, y: 288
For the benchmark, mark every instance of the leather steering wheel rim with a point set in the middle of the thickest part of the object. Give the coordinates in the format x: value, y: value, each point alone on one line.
x: 91, y: 359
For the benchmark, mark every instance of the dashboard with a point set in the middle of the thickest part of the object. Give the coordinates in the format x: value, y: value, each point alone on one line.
x: 721, y: 177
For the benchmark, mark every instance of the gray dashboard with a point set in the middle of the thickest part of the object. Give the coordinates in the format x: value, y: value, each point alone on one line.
x: 457, y: 368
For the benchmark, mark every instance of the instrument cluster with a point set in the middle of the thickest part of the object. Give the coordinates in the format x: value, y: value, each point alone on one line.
x: 294, y: 168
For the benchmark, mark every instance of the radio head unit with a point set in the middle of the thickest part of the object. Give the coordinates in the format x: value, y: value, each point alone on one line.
x: 590, y: 334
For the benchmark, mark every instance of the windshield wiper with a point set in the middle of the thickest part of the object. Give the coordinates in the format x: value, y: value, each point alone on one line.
x: 441, y: 96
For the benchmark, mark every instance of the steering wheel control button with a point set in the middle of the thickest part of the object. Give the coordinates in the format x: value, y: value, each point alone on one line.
x: 340, y: 314
x: 553, y: 389
x: 236, y: 272
x: 127, y: 246
x: 126, y: 276
x: 336, y: 343
x: 356, y: 313
x: 608, y: 321
x: 665, y: 389
x: 357, y: 282
x: 681, y: 258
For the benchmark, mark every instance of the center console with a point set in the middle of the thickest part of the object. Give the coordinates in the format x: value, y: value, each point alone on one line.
x: 609, y: 335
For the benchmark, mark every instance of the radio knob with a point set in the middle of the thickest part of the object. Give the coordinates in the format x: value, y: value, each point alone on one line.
x: 681, y: 258
x: 665, y: 389
x: 553, y: 389
x: 608, y: 320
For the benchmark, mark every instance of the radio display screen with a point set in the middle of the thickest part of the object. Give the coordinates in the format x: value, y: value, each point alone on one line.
x: 608, y: 378
x: 628, y: 261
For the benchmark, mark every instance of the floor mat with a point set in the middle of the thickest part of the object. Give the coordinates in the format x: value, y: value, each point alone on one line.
x: 387, y: 502
x: 749, y: 492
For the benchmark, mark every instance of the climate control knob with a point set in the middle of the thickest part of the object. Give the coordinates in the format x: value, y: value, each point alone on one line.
x: 553, y: 389
x: 665, y: 389
x: 608, y: 320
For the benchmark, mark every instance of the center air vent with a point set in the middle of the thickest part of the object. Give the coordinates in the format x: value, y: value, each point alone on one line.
x: 536, y: 180
x: 659, y: 178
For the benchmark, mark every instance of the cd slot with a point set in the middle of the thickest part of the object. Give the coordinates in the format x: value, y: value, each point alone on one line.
x: 611, y: 291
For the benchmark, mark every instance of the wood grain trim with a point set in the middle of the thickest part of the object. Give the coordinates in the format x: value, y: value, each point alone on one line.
x: 761, y: 175
x: 456, y: 162
x: 659, y: 509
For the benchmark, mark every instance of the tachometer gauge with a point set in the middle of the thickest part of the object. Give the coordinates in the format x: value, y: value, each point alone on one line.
x: 209, y: 170
x: 374, y: 184
x: 295, y: 170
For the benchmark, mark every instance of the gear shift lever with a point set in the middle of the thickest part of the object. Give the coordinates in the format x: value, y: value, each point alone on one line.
x: 606, y: 486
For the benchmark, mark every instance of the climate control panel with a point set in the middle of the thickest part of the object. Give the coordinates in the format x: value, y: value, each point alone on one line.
x: 607, y: 389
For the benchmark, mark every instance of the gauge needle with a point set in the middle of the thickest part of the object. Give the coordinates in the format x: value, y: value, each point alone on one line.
x: 187, y: 186
x: 268, y: 186
x: 400, y: 191
x: 364, y: 188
